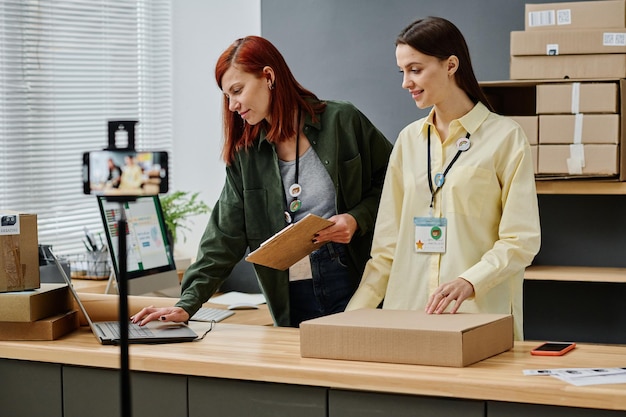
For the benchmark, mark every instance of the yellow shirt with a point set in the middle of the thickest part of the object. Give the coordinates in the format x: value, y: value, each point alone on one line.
x: 489, y: 201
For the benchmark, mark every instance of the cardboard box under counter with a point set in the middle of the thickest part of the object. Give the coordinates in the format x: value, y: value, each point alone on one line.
x: 50, y: 328
x: 408, y: 337
x: 33, y: 305
x: 19, y: 253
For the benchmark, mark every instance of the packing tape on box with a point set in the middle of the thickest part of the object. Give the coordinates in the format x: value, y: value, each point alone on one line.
x: 10, y: 262
x: 575, y: 98
x: 576, y: 161
x: 105, y: 307
x: 578, y: 128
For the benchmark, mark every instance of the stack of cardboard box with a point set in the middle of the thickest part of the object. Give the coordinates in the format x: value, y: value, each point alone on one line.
x: 579, y: 129
x: 29, y: 310
x: 585, y: 39
x: 569, y: 64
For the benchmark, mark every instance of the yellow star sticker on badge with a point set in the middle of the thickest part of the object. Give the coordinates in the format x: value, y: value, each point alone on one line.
x: 419, y: 244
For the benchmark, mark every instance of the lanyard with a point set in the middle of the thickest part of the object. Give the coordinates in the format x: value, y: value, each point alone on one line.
x: 462, y: 145
x: 295, y: 189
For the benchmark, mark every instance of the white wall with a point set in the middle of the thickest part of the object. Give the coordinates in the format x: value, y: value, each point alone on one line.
x: 202, y: 30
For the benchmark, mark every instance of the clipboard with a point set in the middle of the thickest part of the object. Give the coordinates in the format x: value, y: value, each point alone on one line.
x: 291, y: 244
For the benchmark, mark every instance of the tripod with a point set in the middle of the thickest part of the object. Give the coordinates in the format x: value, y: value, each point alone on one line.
x: 122, y: 287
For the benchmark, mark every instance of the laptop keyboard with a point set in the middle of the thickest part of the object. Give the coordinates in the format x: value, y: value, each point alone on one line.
x: 211, y: 314
x: 134, y: 330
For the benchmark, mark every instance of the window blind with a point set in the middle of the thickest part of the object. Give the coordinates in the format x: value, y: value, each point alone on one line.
x: 67, y: 67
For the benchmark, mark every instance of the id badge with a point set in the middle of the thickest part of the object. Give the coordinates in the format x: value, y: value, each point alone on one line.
x: 301, y: 270
x: 430, y: 234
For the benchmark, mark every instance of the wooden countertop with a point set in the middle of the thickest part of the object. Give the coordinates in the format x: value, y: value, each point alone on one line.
x: 272, y: 354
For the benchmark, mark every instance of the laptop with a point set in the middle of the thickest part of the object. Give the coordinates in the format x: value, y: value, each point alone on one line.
x: 107, y: 332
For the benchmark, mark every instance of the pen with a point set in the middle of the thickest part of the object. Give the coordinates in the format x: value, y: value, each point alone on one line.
x: 90, y: 240
x: 89, y: 249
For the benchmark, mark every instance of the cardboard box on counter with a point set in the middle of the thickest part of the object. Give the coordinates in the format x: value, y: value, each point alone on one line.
x: 50, y: 328
x: 575, y: 15
x: 558, y: 67
x: 530, y: 126
x: 580, y: 128
x: 411, y: 337
x: 576, y: 160
x: 32, y: 305
x: 578, y: 97
x: 568, y: 42
x: 19, y: 255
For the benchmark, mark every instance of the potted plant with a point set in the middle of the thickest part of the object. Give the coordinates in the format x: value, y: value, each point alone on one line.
x: 177, y: 207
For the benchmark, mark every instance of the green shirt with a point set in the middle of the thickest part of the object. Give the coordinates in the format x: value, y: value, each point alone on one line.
x: 251, y: 206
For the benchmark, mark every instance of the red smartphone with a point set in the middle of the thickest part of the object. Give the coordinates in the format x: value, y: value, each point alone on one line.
x: 553, y: 349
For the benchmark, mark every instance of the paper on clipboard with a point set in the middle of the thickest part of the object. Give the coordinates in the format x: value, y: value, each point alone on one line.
x: 291, y: 244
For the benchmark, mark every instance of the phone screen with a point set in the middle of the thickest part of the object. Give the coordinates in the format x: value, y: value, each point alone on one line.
x: 123, y: 172
x: 553, y: 348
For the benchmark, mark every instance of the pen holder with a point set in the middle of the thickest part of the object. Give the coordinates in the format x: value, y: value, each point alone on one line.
x: 90, y: 265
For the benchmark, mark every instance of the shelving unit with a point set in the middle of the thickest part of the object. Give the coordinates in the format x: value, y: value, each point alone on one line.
x: 575, y: 303
x: 581, y: 187
x: 575, y: 274
x: 578, y: 303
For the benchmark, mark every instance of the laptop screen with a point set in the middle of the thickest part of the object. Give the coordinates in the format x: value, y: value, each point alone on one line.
x: 150, y: 262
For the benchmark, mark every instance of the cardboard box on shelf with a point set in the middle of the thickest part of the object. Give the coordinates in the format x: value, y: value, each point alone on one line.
x: 530, y: 126
x: 577, y: 160
x: 50, y: 328
x: 578, y: 97
x: 514, y: 97
x: 558, y: 67
x: 569, y: 42
x: 579, y: 128
x: 19, y: 256
x: 32, y: 305
x: 575, y: 15
x: 411, y: 337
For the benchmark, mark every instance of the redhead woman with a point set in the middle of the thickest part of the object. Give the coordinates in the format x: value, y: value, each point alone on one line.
x: 287, y: 154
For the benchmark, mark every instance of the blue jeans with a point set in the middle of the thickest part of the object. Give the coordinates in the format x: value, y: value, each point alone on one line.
x: 330, y: 289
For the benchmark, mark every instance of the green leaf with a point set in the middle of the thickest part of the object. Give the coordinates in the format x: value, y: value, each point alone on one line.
x: 177, y: 207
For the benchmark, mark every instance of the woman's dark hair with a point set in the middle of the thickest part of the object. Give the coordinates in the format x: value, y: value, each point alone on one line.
x: 251, y: 54
x: 438, y: 37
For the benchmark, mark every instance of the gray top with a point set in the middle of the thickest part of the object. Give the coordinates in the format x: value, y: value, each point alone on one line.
x: 318, y: 191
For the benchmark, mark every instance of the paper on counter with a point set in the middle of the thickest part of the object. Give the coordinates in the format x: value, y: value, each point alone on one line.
x: 236, y: 297
x: 583, y: 376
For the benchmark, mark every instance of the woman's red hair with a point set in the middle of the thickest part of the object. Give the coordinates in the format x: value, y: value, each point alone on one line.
x: 251, y: 54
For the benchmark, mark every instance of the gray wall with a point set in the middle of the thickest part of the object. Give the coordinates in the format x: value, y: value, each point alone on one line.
x: 344, y: 49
